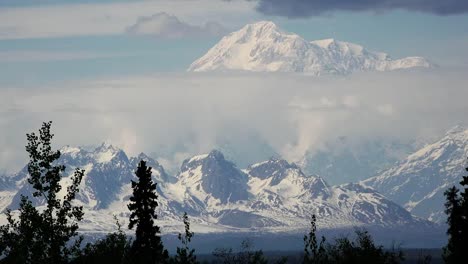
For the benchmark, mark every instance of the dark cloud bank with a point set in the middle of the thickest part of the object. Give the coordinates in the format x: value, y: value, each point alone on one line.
x: 305, y: 8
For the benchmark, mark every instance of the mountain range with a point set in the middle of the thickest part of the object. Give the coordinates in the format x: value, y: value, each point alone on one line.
x: 270, y: 196
x: 264, y: 47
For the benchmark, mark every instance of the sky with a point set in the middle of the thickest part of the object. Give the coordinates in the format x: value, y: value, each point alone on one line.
x: 43, y: 41
x: 58, y: 51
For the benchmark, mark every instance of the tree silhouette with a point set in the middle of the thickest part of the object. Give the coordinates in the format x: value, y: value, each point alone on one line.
x: 244, y: 256
x: 43, y: 236
x: 185, y: 255
x: 361, y: 250
x: 111, y: 249
x: 314, y: 253
x: 20, y: 239
x: 456, y: 208
x: 147, y: 247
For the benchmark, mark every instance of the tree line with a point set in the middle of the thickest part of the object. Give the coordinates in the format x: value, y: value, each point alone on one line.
x: 50, y: 234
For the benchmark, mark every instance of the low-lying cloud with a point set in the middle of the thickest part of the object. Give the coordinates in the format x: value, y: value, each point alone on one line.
x: 176, y: 115
x: 306, y: 8
x: 164, y: 25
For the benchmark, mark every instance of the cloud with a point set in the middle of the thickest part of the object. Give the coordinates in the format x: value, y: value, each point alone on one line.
x: 386, y: 109
x: 306, y: 8
x: 112, y: 18
x: 40, y: 55
x: 177, y: 115
x: 169, y: 26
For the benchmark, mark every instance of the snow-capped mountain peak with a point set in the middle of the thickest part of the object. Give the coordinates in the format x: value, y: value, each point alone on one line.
x: 260, y: 28
x: 276, y: 169
x: 106, y: 152
x: 215, y: 176
x: 268, y: 196
x: 264, y: 47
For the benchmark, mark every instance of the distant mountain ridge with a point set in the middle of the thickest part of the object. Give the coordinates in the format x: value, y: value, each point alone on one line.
x: 419, y: 181
x: 263, y: 47
x: 343, y: 161
x: 271, y: 196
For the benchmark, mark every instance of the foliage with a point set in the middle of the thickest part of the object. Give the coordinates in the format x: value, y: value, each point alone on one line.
x: 111, y: 249
x: 185, y: 255
x: 244, y: 256
x: 147, y: 247
x: 19, y: 239
x: 456, y: 208
x: 314, y: 253
x: 362, y: 250
x: 43, y: 236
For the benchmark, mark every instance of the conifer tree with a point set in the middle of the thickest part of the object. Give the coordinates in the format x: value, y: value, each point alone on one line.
x: 20, y: 240
x: 147, y: 247
x: 456, y: 208
x: 185, y: 255
x: 43, y: 236
x: 314, y: 252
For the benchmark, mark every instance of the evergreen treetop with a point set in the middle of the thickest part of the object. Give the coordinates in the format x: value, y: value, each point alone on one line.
x: 456, y: 208
x: 147, y: 246
x: 43, y: 236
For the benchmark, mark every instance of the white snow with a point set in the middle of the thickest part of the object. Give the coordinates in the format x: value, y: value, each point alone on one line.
x: 198, y: 157
x: 6, y: 198
x: 263, y: 47
x: 72, y: 151
x: 419, y: 181
x: 105, y: 156
x: 285, y: 205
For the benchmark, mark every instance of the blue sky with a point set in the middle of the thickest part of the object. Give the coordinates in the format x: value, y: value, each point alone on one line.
x: 48, y: 41
x: 88, y: 63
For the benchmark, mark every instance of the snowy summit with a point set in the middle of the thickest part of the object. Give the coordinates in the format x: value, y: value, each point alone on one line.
x: 263, y: 47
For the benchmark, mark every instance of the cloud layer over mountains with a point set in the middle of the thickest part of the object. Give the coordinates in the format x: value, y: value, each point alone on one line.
x: 189, y: 113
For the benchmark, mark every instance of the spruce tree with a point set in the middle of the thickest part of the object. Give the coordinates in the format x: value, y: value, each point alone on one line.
x: 147, y: 247
x: 456, y: 208
x: 43, y: 236
x: 185, y: 255
x: 314, y: 252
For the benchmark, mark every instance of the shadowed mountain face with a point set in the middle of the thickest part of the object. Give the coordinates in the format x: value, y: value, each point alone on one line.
x: 269, y: 196
x: 107, y: 170
x: 219, y: 177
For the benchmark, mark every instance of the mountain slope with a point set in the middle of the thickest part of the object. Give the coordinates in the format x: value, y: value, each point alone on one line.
x: 343, y: 161
x: 419, y: 181
x: 263, y: 47
x: 282, y: 189
x: 269, y: 196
